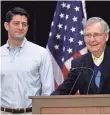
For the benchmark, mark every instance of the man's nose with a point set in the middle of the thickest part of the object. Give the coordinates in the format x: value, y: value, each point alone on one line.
x: 20, y: 26
x: 92, y: 38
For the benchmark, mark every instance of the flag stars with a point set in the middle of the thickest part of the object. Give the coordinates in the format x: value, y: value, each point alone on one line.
x: 50, y: 34
x: 76, y: 8
x: 81, y: 32
x: 73, y: 29
x: 67, y: 16
x: 52, y: 24
x: 54, y: 14
x: 58, y: 36
x: 56, y: 47
x: 69, y: 50
x: 60, y: 26
x: 65, y: 28
x: 80, y: 42
x: 63, y: 5
x: 64, y: 38
x: 68, y: 6
x: 74, y: 19
x: 61, y: 15
x: 63, y: 48
x: 62, y: 59
x: 71, y: 40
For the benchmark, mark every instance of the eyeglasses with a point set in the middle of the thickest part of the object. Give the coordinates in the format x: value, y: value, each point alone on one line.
x: 95, y: 35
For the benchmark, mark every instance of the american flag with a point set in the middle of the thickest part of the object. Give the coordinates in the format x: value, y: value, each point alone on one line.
x: 66, y: 39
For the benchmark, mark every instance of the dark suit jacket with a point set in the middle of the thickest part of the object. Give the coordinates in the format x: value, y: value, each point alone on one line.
x: 82, y: 78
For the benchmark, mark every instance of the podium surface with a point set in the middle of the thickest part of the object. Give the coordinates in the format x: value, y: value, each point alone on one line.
x: 71, y: 104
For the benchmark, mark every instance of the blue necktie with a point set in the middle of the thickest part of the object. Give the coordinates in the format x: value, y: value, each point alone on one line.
x: 97, y: 79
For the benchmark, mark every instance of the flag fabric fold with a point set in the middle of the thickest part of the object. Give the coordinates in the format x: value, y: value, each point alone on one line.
x: 66, y: 37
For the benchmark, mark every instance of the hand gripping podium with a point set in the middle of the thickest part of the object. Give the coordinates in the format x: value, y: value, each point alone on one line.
x: 71, y: 104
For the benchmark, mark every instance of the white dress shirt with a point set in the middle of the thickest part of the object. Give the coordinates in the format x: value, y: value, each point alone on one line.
x: 25, y: 71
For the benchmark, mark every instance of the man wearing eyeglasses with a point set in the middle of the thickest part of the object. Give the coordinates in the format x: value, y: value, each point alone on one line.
x: 90, y: 73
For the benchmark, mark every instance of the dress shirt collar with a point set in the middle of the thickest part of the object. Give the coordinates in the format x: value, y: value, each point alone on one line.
x: 21, y: 46
x: 99, y: 60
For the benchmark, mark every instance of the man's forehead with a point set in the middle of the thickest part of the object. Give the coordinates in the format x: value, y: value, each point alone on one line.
x: 19, y: 18
x: 94, y: 26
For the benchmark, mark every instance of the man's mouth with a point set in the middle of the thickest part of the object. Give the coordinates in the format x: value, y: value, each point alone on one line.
x: 93, y: 44
x: 20, y: 33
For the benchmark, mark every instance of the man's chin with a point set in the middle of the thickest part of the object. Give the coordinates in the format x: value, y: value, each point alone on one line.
x: 19, y: 38
x: 95, y: 51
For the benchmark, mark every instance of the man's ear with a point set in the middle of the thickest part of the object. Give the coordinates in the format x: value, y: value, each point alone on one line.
x: 107, y: 36
x: 6, y: 25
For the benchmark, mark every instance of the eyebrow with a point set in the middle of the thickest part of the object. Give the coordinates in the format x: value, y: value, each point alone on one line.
x: 21, y: 22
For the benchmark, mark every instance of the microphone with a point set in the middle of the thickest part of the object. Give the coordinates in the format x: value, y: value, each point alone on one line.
x: 79, y: 75
x: 90, y: 81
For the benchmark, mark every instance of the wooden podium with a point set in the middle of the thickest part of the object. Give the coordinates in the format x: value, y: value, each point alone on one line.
x: 71, y: 104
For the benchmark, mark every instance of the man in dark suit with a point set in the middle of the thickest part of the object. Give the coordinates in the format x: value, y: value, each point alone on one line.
x: 90, y: 73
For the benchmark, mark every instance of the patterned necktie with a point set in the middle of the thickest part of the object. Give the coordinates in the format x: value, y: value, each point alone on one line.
x: 97, y: 79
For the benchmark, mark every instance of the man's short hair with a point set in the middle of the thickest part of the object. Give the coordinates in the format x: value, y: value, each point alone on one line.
x: 16, y: 11
x: 104, y: 24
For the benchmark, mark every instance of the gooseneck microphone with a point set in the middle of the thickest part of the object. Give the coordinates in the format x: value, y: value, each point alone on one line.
x: 79, y: 76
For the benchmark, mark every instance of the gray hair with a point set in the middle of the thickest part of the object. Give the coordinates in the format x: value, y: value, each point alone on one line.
x: 96, y: 20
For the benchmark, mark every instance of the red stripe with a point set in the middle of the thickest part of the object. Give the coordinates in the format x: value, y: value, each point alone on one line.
x: 76, y: 55
x: 65, y: 71
x: 56, y: 85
